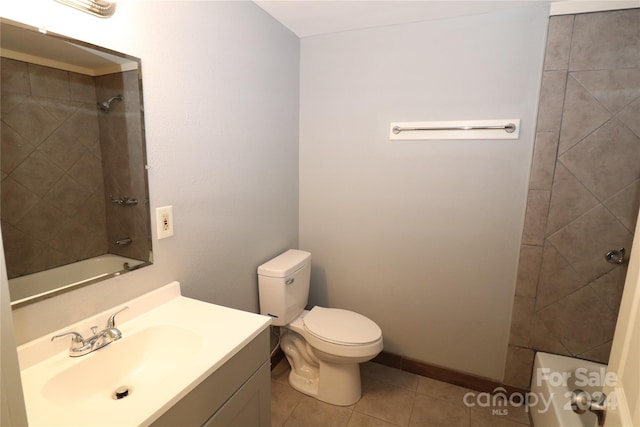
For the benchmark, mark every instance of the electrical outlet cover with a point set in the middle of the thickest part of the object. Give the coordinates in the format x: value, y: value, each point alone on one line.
x: 164, y: 222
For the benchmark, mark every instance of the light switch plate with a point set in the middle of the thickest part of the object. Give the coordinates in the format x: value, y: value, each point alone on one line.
x: 164, y: 221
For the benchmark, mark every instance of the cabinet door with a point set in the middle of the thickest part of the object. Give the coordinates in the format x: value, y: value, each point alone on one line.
x: 214, y: 392
x: 249, y: 406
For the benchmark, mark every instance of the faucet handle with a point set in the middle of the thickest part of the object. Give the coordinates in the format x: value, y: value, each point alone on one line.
x: 111, y: 323
x: 77, y: 338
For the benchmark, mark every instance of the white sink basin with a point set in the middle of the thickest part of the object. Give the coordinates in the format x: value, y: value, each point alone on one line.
x: 169, y: 345
x: 139, y: 362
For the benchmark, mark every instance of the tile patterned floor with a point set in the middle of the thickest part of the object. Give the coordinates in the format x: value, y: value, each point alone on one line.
x: 390, y: 398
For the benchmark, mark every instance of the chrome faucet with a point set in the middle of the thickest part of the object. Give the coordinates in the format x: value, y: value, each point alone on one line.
x: 81, y: 346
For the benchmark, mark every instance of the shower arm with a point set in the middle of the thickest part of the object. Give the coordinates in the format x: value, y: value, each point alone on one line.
x: 124, y: 201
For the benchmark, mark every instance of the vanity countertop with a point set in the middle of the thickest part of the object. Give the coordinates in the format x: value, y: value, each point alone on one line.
x: 169, y: 345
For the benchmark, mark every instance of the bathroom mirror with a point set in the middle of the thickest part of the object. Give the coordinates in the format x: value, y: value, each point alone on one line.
x: 74, y: 188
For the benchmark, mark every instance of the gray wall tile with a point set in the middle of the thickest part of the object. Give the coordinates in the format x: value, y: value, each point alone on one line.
x: 542, y: 339
x: 528, y: 270
x: 522, y: 321
x: 629, y: 116
x: 41, y: 191
x: 569, y: 200
x: 551, y: 101
x: 544, y: 161
x: 15, y: 201
x: 37, y: 173
x: 519, y: 366
x: 14, y: 148
x: 31, y: 121
x: 625, y: 205
x: 598, y: 354
x: 614, y: 89
x: 535, y: 217
x: 610, y: 286
x: 606, y: 40
x: 15, y: 77
x: 581, y: 115
x: 598, y: 167
x: 597, y: 321
x: 585, y: 241
x: 607, y: 160
x: 558, y: 42
x: 49, y: 82
x: 557, y: 278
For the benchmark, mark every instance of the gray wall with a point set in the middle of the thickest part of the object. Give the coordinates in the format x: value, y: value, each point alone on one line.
x: 221, y: 105
x: 420, y: 236
x: 584, y: 191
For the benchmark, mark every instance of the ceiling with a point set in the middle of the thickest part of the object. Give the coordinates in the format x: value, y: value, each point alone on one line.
x: 312, y: 17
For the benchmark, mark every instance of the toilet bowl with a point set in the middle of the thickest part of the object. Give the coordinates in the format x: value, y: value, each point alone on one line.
x: 324, y: 346
x: 325, y: 355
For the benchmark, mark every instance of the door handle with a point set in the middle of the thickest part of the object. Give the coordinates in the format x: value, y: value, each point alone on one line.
x: 581, y: 402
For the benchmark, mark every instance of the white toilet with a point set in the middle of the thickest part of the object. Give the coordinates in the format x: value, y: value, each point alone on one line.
x: 323, y: 345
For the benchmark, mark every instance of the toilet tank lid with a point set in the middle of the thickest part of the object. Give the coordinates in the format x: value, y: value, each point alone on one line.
x: 285, y: 264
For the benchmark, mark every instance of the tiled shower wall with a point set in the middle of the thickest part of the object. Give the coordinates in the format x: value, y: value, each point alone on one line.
x: 122, y: 142
x: 52, y: 197
x: 584, y: 191
x: 55, y: 147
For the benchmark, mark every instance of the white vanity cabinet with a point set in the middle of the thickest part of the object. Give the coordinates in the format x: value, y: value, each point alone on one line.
x: 237, y: 394
x: 183, y: 362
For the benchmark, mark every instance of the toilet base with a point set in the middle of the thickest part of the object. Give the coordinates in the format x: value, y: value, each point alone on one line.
x: 335, y: 382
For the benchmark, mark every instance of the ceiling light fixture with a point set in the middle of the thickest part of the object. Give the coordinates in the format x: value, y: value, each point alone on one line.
x: 101, y: 8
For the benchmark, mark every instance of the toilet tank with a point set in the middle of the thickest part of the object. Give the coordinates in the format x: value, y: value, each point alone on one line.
x: 283, y: 285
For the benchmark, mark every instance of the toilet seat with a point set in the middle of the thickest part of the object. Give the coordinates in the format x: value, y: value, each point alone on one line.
x: 330, y: 347
x: 342, y: 327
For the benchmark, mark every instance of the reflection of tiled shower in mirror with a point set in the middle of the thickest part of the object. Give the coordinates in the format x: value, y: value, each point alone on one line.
x: 124, y: 178
x: 55, y: 208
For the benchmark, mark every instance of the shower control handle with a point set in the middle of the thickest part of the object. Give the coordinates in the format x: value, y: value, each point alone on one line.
x: 615, y: 256
x: 124, y: 201
x: 581, y: 402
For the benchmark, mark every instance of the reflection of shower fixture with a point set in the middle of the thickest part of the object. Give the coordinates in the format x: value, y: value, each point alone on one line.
x: 106, y: 105
x: 615, y: 256
x: 124, y: 242
x: 125, y: 201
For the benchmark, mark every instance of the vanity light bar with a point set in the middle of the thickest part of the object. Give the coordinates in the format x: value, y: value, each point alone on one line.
x: 100, y: 8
